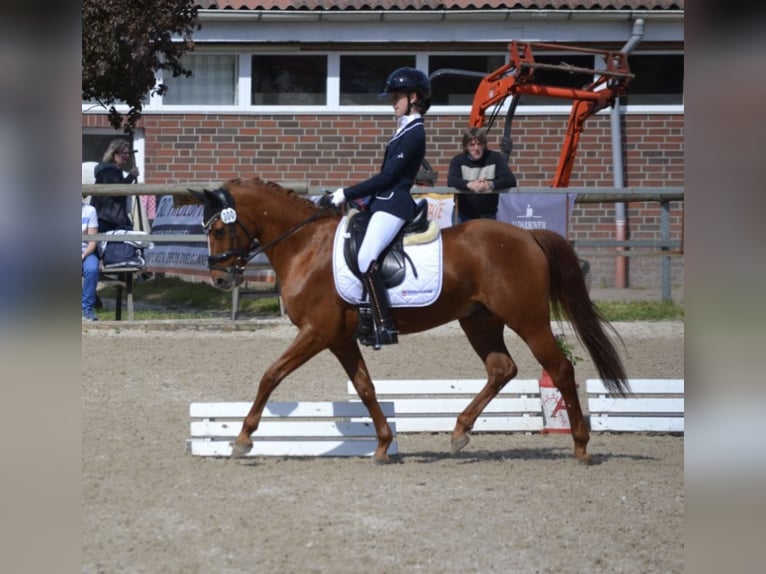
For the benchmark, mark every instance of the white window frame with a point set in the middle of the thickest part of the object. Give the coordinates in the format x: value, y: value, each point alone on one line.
x: 244, y: 83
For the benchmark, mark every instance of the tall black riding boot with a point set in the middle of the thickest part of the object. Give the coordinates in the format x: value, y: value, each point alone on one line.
x: 384, y: 331
x: 365, y: 329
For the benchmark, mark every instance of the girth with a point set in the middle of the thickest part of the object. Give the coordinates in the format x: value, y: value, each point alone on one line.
x: 392, y: 266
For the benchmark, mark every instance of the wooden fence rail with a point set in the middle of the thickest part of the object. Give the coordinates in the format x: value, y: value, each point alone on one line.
x: 664, y: 247
x: 582, y: 194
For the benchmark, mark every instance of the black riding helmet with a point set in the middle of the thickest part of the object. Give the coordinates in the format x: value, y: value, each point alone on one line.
x: 409, y: 80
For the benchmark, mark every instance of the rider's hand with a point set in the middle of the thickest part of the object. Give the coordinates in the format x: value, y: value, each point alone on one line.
x: 338, y: 197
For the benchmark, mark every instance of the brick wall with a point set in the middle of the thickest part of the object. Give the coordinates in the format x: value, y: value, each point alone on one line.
x: 334, y: 150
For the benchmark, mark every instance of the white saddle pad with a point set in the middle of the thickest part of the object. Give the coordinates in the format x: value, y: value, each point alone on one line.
x: 413, y: 292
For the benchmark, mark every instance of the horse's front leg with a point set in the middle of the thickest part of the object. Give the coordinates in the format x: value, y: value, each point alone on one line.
x: 353, y: 363
x: 304, y: 346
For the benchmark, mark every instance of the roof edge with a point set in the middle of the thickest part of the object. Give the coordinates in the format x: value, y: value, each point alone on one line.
x: 507, y: 14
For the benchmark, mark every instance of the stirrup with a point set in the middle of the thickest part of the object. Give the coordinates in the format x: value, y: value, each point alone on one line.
x: 387, y: 337
x: 370, y: 334
x: 379, y: 337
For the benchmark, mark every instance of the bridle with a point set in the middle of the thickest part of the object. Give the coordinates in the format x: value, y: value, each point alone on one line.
x: 229, y: 217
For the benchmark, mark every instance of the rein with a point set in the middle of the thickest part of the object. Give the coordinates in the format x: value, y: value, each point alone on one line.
x: 244, y: 256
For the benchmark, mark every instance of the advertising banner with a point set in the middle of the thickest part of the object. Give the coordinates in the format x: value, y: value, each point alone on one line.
x: 439, y: 207
x: 536, y: 210
x: 527, y: 210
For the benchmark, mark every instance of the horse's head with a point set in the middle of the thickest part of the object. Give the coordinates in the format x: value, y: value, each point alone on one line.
x: 230, y: 243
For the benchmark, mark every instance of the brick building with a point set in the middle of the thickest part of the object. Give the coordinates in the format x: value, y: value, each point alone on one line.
x: 286, y: 91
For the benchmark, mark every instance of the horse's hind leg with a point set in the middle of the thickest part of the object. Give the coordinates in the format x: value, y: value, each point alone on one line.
x: 485, y: 333
x: 353, y: 363
x: 546, y: 351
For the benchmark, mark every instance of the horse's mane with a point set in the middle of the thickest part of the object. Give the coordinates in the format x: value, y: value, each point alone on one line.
x: 273, y: 186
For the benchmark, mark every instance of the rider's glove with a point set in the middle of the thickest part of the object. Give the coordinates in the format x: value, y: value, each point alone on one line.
x: 338, y: 197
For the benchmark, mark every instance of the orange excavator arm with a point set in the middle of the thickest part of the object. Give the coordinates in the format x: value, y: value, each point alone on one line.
x: 517, y: 78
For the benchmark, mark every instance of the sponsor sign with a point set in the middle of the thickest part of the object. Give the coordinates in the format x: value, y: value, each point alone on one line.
x: 536, y: 210
x: 439, y: 208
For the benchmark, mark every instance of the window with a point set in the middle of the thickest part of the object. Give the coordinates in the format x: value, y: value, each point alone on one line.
x: 95, y: 142
x: 659, y: 80
x: 289, y: 80
x: 94, y: 145
x: 347, y: 80
x: 362, y: 78
x: 454, y: 89
x: 213, y: 81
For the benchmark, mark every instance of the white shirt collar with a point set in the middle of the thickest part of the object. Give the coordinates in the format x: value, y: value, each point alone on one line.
x: 404, y: 120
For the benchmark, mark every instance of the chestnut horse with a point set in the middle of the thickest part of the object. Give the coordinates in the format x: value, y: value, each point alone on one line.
x: 495, y: 275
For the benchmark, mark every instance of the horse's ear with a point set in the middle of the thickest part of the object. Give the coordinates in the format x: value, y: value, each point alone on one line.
x: 200, y: 195
x: 219, y: 198
x: 193, y: 199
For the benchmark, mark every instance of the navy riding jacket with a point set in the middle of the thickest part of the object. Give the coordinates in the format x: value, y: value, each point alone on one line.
x: 389, y: 189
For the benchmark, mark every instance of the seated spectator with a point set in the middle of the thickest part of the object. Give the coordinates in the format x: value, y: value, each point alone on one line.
x: 89, y: 263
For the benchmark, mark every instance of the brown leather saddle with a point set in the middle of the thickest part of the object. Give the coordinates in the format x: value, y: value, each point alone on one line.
x: 394, y: 258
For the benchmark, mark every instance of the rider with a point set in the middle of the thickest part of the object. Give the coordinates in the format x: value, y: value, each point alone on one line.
x: 391, y: 204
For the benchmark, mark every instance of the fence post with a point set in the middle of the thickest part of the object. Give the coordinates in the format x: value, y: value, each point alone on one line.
x: 665, y: 237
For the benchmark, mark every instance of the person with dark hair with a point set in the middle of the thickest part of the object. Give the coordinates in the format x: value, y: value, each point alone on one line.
x: 113, y: 211
x: 483, y: 173
x: 390, y: 202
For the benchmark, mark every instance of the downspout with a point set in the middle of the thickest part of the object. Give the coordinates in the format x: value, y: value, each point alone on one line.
x: 620, y: 219
x: 620, y: 267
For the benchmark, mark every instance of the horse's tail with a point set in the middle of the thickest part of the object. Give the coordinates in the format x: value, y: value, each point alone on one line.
x: 569, y: 295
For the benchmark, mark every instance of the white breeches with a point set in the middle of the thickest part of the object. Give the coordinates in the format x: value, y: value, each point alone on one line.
x: 382, y: 229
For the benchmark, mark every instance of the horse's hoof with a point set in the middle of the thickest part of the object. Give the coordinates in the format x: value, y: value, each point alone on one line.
x: 583, y: 458
x: 381, y: 459
x: 457, y: 444
x: 239, y: 450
